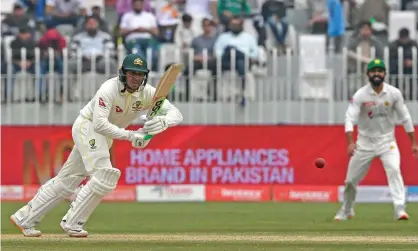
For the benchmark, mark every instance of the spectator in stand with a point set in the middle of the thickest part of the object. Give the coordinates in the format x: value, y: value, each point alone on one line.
x: 244, y: 44
x: 407, y: 45
x: 60, y: 12
x: 227, y: 9
x: 23, y: 40
x: 12, y: 23
x: 200, y: 44
x: 91, y: 42
x: 365, y: 41
x: 184, y: 33
x: 318, y: 16
x: 284, y: 33
x: 168, y: 19
x: 206, y: 41
x: 336, y: 23
x: 125, y: 6
x: 140, y: 31
x: 200, y: 9
x: 52, y: 39
x: 96, y: 12
x: 81, y: 21
x: 23, y: 63
x: 268, y: 9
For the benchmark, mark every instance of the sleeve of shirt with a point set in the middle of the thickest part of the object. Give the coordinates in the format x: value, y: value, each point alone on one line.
x: 403, y: 113
x: 193, y: 45
x: 253, y: 47
x: 172, y: 114
x: 352, y: 113
x: 178, y: 38
x: 107, y: 41
x: 153, y: 21
x: 102, y: 106
x: 124, y: 23
x: 220, y: 45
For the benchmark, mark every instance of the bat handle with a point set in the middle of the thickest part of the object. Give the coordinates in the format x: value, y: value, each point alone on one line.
x: 148, y: 137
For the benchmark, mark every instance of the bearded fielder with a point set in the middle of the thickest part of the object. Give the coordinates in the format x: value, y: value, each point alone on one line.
x: 374, y: 107
x: 116, y: 104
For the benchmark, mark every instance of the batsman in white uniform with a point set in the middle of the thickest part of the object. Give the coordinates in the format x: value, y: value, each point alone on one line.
x: 373, y: 108
x: 116, y: 104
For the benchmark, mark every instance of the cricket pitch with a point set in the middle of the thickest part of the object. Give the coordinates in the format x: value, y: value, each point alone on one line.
x: 221, y: 238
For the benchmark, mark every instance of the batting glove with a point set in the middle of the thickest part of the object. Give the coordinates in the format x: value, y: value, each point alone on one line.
x: 156, y: 125
x: 137, y: 138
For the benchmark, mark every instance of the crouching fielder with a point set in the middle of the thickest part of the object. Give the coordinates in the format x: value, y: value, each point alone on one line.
x: 374, y: 107
x: 116, y: 104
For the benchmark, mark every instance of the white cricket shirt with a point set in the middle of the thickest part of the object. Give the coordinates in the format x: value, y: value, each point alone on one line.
x: 375, y: 114
x: 111, y: 110
x: 132, y: 20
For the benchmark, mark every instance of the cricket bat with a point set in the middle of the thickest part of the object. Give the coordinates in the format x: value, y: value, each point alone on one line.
x: 162, y: 91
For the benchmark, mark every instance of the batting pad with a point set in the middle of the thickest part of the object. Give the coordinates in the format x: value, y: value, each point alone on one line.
x: 49, y: 196
x: 102, y: 183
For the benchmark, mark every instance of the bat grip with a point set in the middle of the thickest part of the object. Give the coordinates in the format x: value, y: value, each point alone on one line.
x: 148, y: 137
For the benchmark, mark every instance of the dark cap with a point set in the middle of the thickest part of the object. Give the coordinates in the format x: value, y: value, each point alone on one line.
x: 17, y: 6
x: 404, y: 32
x: 186, y: 18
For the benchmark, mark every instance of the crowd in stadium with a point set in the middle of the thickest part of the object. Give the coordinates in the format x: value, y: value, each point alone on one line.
x: 139, y: 26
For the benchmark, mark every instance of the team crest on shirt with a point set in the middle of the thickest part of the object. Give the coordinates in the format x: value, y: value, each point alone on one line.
x: 137, y: 106
x: 387, y: 103
x: 118, y: 109
x: 92, y: 144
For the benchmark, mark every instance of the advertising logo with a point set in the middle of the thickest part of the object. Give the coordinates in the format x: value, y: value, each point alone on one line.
x: 163, y: 193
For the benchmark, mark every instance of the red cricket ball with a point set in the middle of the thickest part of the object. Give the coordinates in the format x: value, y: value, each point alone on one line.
x: 320, y: 163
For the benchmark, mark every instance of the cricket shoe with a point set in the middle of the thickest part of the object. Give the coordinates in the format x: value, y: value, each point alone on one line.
x: 400, y: 214
x: 77, y: 232
x: 26, y: 231
x: 344, y: 214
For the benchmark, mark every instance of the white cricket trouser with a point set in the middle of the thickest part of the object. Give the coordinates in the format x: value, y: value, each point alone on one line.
x: 387, y: 150
x: 91, y: 149
x: 90, y: 154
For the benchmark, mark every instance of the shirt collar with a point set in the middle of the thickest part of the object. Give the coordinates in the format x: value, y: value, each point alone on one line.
x: 384, y: 90
x: 125, y: 93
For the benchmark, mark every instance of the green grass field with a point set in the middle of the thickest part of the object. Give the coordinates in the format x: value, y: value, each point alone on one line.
x: 221, y: 226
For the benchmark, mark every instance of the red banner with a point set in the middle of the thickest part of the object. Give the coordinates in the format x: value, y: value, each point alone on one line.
x: 203, y: 155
